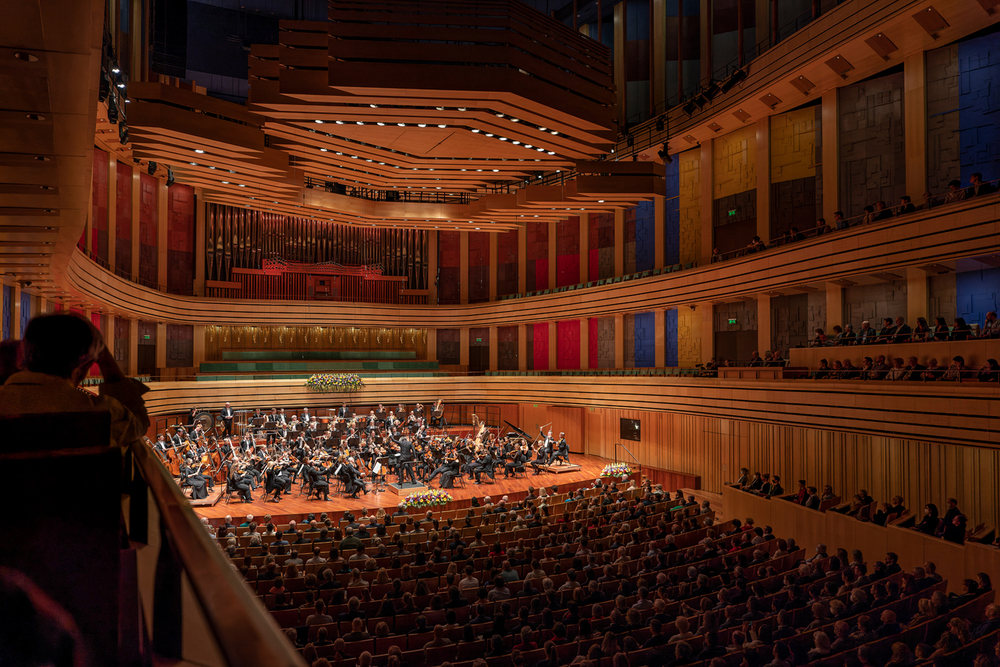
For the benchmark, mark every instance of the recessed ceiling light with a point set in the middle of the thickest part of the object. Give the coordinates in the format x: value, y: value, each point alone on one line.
x: 340, y: 122
x: 34, y: 116
x: 421, y: 124
x: 516, y: 143
x: 476, y: 131
x: 401, y: 124
x: 380, y: 124
x: 499, y: 115
x: 373, y: 106
x: 193, y: 164
x: 360, y: 122
x: 242, y: 185
x: 549, y: 152
x: 198, y: 150
x: 503, y: 138
x: 461, y: 108
x: 542, y: 129
x: 496, y: 170
x: 553, y: 132
x: 225, y: 182
x: 319, y: 121
x: 600, y: 201
x: 442, y: 126
x: 324, y: 149
x: 514, y: 120
x: 26, y: 57
x: 489, y: 134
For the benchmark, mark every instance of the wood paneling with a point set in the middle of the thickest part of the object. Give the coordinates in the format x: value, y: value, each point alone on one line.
x: 962, y: 230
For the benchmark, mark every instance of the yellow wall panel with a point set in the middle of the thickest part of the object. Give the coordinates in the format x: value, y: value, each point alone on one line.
x: 735, y: 168
x: 793, y: 145
x: 690, y: 205
x: 688, y: 337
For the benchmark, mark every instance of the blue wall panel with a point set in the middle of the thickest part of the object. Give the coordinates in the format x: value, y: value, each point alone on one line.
x: 672, y: 216
x: 979, y: 106
x: 670, y: 336
x: 645, y: 236
x: 977, y: 293
x: 7, y: 313
x: 25, y: 312
x: 645, y: 340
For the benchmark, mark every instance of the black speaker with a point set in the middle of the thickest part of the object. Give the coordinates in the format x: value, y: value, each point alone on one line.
x: 151, y: 168
x: 170, y: 177
x: 339, y: 189
x: 392, y: 195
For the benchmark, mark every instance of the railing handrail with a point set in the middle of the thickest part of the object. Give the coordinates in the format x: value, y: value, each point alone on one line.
x: 245, y: 632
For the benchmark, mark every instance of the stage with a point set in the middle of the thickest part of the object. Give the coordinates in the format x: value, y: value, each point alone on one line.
x: 589, y: 470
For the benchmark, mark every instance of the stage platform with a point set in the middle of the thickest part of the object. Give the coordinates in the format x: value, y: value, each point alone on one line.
x: 584, y: 468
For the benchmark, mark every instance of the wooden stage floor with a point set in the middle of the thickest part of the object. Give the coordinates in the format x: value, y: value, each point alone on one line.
x: 591, y: 467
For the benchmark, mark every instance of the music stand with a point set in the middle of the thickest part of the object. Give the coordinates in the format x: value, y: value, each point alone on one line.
x: 380, y: 462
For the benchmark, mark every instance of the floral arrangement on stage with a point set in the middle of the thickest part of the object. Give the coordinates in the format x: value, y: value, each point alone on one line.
x: 428, y: 498
x: 616, y: 470
x: 335, y: 382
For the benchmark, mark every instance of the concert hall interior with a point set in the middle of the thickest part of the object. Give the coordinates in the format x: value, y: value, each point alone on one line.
x: 693, y: 302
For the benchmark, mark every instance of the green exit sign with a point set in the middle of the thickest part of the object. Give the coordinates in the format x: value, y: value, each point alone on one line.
x: 479, y: 340
x: 732, y: 320
x: 732, y: 212
x: 145, y: 337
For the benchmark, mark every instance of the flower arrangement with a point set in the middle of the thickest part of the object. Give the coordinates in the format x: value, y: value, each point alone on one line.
x: 335, y: 382
x: 616, y: 470
x: 428, y: 498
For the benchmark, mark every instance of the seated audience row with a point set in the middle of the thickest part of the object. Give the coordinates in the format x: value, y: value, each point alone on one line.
x: 898, y: 331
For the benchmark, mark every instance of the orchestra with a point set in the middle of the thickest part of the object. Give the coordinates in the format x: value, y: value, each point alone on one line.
x: 277, y: 450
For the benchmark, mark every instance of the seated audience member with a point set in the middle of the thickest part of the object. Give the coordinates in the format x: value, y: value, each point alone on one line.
x: 776, y: 359
x: 913, y: 370
x: 956, y: 371
x: 888, y: 331
x: 941, y: 329
x: 57, y: 353
x: 955, y: 192
x: 955, y: 530
x: 839, y: 222
x: 820, y: 339
x: 991, y: 326
x: 755, y: 359
x: 977, y: 188
x: 849, y: 371
x: 869, y: 215
x: 821, y: 227
x: 906, y: 205
x: 990, y: 624
x: 960, y: 330
x: 882, y: 211
x: 867, y: 335
x: 837, y: 370
x: 898, y: 371
x: 932, y: 371
x: 823, y: 372
x: 929, y: 522
x: 902, y: 332
x: 921, y: 332
x: 990, y: 372
x: 878, y: 369
x: 798, y: 236
x: 901, y: 656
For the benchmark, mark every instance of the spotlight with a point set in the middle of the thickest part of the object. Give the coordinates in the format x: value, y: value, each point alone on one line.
x: 689, y: 108
x: 151, y: 169
x: 170, y: 177
x: 712, y: 90
x: 659, y: 124
x: 105, y: 87
x: 122, y: 133
x: 700, y: 100
x: 734, y: 79
x: 112, y: 111
x: 629, y: 140
x: 664, y: 154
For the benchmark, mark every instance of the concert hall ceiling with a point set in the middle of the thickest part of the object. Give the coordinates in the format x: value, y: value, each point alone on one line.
x: 415, y: 113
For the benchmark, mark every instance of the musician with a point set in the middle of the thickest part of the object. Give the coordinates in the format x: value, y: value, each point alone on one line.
x: 226, y: 448
x: 178, y: 437
x: 344, y: 412
x: 541, y: 458
x: 238, y: 482
x: 405, y: 459
x: 320, y: 485
x: 437, y: 414
x: 276, y: 481
x: 484, y: 463
x: 518, y: 458
x: 162, y: 444
x: 561, y: 452
x: 380, y: 413
x: 227, y: 419
x: 419, y: 411
x: 282, y: 418
x: 192, y: 418
x: 306, y: 417
x: 191, y: 476
x: 452, y: 465
x: 247, y: 443
x: 353, y: 480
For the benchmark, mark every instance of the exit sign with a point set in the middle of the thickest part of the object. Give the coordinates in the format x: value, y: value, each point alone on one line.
x: 732, y: 212
x: 479, y: 340
x: 732, y: 320
x: 145, y: 337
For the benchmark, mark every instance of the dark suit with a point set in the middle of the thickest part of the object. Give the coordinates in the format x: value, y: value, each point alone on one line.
x: 227, y: 420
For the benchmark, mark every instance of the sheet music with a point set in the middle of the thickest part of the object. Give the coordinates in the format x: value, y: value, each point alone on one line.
x: 337, y: 471
x: 377, y: 468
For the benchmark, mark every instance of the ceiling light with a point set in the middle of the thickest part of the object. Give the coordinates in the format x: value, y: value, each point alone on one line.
x: 549, y: 152
x: 193, y: 164
x: 553, y: 132
x: 340, y: 122
x: 360, y: 122
x: 516, y: 143
x: 542, y: 129
x: 488, y: 134
x: 421, y: 124
x: 198, y: 150
x: 380, y: 124
x: 373, y: 106
x: 496, y: 170
x: 225, y: 182
x: 324, y: 149
x: 401, y: 124
x: 319, y: 121
x: 514, y: 120
x: 461, y: 108
x: 528, y: 146
x: 442, y: 126
x: 242, y: 185
x: 476, y: 131
x: 439, y: 108
x: 600, y: 201
x: 503, y: 138
x: 499, y: 115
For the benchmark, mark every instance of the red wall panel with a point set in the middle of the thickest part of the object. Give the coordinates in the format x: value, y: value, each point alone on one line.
x: 449, y: 268
x: 479, y: 267
x: 507, y: 263
x: 568, y: 345
x: 123, y: 218
x: 568, y: 252
x: 99, y: 216
x: 540, y: 346
x: 592, y: 343
x: 180, y: 239
x: 148, y: 224
x: 537, y: 255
